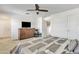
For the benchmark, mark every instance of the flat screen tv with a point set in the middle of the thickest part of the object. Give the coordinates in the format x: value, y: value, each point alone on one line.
x: 26, y: 24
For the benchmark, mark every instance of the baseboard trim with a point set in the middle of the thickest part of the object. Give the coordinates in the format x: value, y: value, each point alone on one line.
x: 4, y: 37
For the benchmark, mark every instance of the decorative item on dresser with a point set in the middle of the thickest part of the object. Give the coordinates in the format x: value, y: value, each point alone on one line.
x: 37, y: 33
x: 25, y: 33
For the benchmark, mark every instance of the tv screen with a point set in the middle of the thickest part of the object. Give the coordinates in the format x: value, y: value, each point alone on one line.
x: 26, y: 24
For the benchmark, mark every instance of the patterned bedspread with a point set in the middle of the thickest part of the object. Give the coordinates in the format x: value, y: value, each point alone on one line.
x: 47, y: 45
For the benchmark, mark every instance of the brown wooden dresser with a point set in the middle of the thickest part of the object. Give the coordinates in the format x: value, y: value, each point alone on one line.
x: 25, y: 33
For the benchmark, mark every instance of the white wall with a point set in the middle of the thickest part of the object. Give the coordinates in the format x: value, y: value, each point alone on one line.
x: 73, y: 26
x: 59, y: 26
x: 16, y: 24
x: 65, y: 24
x: 5, y: 26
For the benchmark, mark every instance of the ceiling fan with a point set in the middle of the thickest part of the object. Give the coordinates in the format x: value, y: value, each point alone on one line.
x: 37, y: 9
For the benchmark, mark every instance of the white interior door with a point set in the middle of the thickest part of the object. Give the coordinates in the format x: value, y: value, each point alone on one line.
x: 59, y: 26
x: 73, y: 26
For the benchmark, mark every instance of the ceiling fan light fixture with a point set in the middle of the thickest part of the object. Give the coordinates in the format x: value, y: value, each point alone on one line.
x: 37, y: 13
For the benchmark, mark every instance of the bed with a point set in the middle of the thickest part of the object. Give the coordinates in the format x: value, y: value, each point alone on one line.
x: 39, y: 45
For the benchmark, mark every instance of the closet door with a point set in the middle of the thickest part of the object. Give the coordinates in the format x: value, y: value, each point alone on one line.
x: 73, y: 26
x: 5, y: 29
x: 59, y: 26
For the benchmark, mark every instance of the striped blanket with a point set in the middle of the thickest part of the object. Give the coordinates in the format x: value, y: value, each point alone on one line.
x: 47, y: 45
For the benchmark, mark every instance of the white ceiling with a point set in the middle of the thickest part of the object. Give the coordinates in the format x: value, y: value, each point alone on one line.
x: 52, y: 8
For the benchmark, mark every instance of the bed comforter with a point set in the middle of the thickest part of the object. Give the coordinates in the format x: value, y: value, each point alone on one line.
x: 47, y: 45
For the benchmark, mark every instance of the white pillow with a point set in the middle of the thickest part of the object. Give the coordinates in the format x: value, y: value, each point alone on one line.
x: 76, y: 51
x: 72, y: 45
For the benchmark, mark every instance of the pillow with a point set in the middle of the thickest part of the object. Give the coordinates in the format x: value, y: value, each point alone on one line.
x: 76, y: 51
x: 72, y: 45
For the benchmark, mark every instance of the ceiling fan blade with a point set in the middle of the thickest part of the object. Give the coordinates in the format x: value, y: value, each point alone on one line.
x: 37, y: 6
x: 30, y: 10
x: 43, y: 10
